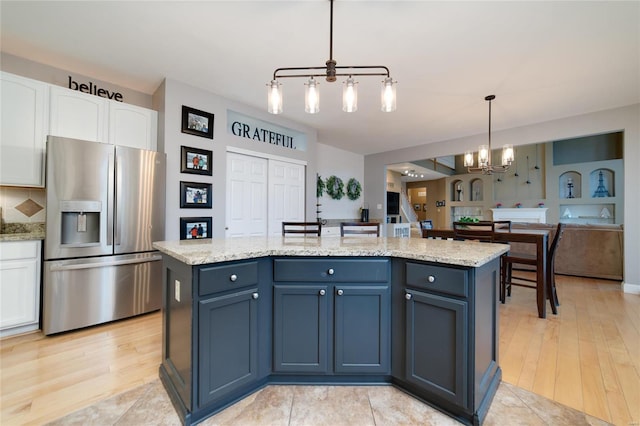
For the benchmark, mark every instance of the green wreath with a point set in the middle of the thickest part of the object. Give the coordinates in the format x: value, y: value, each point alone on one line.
x: 320, y: 187
x: 354, y: 189
x: 335, y: 187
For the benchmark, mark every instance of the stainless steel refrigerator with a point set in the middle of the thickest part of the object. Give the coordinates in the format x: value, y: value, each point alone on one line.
x: 105, y: 208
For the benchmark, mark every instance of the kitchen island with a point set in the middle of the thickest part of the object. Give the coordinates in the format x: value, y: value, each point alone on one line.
x: 239, y: 314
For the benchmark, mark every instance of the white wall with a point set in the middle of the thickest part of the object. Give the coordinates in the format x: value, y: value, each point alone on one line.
x: 345, y: 165
x: 625, y: 119
x: 168, y: 101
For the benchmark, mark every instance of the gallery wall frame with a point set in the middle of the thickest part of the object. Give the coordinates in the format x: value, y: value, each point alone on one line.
x: 195, y: 228
x: 197, y: 122
x: 195, y: 161
x: 195, y: 195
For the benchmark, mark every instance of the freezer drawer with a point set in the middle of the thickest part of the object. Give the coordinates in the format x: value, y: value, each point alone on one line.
x: 83, y: 292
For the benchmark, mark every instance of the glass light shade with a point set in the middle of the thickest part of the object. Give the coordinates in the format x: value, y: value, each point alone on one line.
x: 507, y: 155
x: 468, y: 159
x: 274, y: 97
x: 350, y: 95
x: 311, y: 97
x: 388, y: 95
x: 483, y: 155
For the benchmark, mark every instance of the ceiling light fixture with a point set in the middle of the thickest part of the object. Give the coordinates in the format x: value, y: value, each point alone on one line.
x: 350, y: 88
x: 484, y: 154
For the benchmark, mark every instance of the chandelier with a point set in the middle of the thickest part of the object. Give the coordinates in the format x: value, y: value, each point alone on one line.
x: 484, y: 154
x: 331, y: 71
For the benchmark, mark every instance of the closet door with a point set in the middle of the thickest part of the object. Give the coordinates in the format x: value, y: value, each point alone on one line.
x: 286, y: 194
x: 246, y: 195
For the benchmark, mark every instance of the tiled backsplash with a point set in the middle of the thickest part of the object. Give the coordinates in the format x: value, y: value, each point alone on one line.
x: 22, y: 205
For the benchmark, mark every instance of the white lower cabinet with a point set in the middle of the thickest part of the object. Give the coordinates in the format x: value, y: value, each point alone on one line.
x: 20, y: 269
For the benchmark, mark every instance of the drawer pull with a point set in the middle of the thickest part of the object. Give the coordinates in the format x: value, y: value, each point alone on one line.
x: 331, y: 271
x: 233, y: 278
x: 340, y: 292
x: 431, y: 279
x: 407, y: 296
x: 322, y: 292
x: 255, y: 295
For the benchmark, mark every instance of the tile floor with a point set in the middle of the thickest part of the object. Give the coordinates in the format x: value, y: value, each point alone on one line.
x: 324, y: 405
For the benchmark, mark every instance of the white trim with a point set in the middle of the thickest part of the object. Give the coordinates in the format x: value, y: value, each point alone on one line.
x: 631, y: 288
x: 264, y: 155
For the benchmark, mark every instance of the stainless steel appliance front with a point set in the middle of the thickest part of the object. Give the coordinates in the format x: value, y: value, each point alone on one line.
x: 103, y: 202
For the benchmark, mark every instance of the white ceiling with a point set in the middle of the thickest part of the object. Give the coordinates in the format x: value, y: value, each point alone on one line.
x: 542, y: 60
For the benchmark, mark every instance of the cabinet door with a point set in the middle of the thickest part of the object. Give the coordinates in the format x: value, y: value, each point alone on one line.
x: 362, y: 329
x: 19, y: 284
x: 23, y: 130
x: 437, y: 345
x: 228, y: 344
x: 300, y: 323
x: 78, y: 115
x: 132, y: 126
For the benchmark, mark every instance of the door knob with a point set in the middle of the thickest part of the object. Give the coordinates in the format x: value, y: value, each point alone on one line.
x: 407, y: 296
x: 255, y: 295
x: 233, y: 277
x: 340, y: 292
x: 322, y: 292
x: 431, y: 279
x: 331, y: 271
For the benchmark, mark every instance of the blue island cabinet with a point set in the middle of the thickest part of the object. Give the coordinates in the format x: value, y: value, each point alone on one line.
x: 232, y: 327
x: 331, y: 316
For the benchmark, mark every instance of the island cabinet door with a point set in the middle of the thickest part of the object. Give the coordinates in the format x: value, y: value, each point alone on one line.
x: 362, y: 329
x: 300, y: 325
x: 228, y: 339
x: 437, y: 345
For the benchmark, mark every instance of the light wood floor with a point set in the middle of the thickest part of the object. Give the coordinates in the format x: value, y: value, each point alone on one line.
x: 587, y: 357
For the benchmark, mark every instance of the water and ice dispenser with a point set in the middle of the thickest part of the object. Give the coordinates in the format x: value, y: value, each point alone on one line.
x: 80, y: 223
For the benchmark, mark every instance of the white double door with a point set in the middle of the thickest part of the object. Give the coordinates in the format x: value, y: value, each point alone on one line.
x: 261, y: 194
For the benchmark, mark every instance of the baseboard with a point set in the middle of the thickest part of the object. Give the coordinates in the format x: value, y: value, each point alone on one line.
x: 631, y: 288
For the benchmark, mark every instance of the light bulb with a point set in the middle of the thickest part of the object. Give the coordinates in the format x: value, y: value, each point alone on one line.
x: 350, y: 95
x: 388, y: 95
x: 312, y: 97
x: 274, y: 97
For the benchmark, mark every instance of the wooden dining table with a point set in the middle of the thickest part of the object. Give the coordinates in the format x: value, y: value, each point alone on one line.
x: 538, y: 237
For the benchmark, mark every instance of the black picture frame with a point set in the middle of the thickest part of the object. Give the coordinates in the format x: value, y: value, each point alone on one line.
x: 195, y: 228
x: 195, y: 161
x: 197, y: 122
x: 195, y: 195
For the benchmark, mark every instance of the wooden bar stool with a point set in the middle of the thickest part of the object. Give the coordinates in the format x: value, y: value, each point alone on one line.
x: 308, y: 228
x: 361, y: 228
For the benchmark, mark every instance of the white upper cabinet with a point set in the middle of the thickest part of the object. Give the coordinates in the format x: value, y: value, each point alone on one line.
x: 23, y: 128
x: 132, y: 126
x: 78, y: 115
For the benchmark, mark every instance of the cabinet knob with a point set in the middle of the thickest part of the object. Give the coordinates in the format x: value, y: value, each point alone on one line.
x: 331, y: 271
x: 233, y: 278
x: 322, y: 292
x: 340, y: 292
x: 431, y: 279
x: 407, y: 296
x: 255, y: 295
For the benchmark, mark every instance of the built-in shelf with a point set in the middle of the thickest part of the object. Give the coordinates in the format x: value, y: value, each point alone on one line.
x: 587, y: 213
x: 528, y: 215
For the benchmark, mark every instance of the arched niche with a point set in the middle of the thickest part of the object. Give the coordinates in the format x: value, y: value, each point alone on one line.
x: 601, y: 183
x: 477, y: 190
x: 570, y: 185
x: 457, y: 190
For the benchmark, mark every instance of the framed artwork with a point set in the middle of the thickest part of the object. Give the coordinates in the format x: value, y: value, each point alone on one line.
x: 194, y: 228
x: 196, y: 122
x: 195, y: 195
x: 195, y: 161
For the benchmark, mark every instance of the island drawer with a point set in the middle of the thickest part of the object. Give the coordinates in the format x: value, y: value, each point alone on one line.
x: 331, y: 270
x: 438, y: 278
x: 215, y: 279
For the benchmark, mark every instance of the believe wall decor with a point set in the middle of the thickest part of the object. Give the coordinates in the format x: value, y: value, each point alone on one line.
x: 195, y: 195
x: 192, y: 228
x: 195, y: 161
x: 196, y: 122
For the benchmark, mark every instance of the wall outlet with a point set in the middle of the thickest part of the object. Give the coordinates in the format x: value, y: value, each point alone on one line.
x: 379, y: 206
x: 177, y: 291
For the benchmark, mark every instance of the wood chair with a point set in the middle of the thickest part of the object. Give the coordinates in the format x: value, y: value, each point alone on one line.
x: 511, y: 259
x: 479, y: 231
x: 366, y: 228
x: 308, y: 228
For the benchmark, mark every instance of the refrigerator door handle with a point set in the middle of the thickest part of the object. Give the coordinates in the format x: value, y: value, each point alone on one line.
x: 117, y: 229
x: 110, y: 201
x: 90, y: 265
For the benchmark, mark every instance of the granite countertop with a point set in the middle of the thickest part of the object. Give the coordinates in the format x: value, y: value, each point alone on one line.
x: 462, y: 253
x: 22, y: 231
